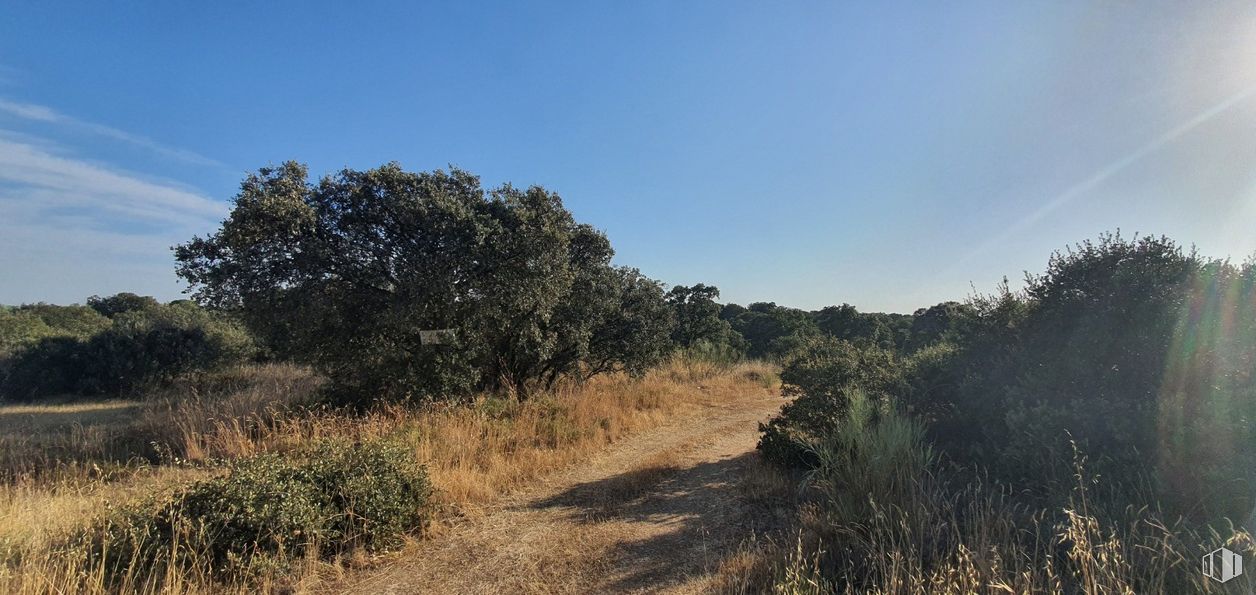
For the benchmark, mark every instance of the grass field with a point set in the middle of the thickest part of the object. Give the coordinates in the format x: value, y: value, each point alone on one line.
x: 68, y: 465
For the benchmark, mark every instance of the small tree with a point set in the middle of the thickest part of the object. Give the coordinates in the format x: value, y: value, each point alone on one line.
x: 636, y: 333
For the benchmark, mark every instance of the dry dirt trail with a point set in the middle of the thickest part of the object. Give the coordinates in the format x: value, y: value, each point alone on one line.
x: 654, y: 513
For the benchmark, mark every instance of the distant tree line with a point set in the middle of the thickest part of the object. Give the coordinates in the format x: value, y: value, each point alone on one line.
x: 345, y: 273
x: 114, y: 345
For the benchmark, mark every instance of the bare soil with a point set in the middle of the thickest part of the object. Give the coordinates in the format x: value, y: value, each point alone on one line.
x: 655, y: 513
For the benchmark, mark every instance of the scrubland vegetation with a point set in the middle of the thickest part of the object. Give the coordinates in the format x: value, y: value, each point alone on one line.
x: 253, y: 488
x: 1092, y: 432
x: 292, y: 422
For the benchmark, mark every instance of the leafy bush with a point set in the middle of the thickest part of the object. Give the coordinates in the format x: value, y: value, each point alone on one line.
x: 18, y: 329
x: 873, y: 454
x: 1135, y: 350
x: 139, y: 348
x: 68, y: 321
x: 931, y: 376
x: 887, y: 331
x: 270, y: 510
x: 156, y: 345
x: 52, y: 366
x: 26, y: 325
x: 772, y: 331
x: 823, y: 374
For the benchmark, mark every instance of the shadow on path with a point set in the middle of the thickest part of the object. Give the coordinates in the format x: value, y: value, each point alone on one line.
x: 696, y: 516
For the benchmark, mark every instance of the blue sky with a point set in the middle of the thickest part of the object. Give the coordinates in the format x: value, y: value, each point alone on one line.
x: 887, y: 155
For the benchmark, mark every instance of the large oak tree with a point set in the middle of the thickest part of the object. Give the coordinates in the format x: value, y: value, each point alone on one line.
x: 346, y: 272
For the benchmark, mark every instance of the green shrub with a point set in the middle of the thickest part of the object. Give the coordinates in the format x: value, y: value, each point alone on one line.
x: 20, y: 328
x: 717, y: 352
x: 772, y: 331
x: 823, y: 374
x: 270, y: 510
x: 872, y: 455
x: 931, y: 377
x: 68, y: 321
x: 1137, y: 351
x: 139, y: 349
x: 824, y: 367
x: 51, y: 366
x: 26, y: 325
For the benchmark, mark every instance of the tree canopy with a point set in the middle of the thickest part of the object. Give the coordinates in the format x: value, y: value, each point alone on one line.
x: 346, y: 272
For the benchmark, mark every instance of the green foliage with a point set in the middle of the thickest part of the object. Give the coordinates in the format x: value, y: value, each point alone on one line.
x: 699, y: 326
x: 157, y: 345
x: 823, y: 374
x: 824, y: 366
x: 772, y: 331
x: 272, y: 510
x: 120, y: 303
x: 19, y: 328
x: 1134, y: 351
x: 1084, y: 354
x: 872, y: 455
x: 722, y: 352
x: 137, y: 349
x: 69, y: 321
x: 945, y: 322
x: 52, y: 366
x: 26, y: 325
x: 635, y: 334
x: 346, y: 272
x: 886, y: 331
x: 931, y: 376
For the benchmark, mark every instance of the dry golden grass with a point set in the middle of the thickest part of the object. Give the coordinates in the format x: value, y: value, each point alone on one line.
x: 473, y: 454
x: 751, y: 567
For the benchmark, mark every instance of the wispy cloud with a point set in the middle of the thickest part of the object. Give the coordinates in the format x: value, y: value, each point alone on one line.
x: 72, y: 227
x: 96, y: 186
x: 41, y: 113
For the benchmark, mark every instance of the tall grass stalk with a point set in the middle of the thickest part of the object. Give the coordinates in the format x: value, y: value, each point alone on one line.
x: 886, y: 521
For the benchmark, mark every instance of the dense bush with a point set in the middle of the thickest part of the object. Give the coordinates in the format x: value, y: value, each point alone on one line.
x: 822, y: 374
x: 1095, y: 430
x: 772, y: 331
x: 120, y: 303
x: 270, y: 510
x: 52, y: 366
x: 136, y: 349
x: 1139, y: 354
x: 948, y: 322
x: 887, y: 331
x: 26, y: 325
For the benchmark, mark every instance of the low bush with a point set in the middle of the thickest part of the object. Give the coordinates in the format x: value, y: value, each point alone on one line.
x: 270, y: 510
x: 824, y: 374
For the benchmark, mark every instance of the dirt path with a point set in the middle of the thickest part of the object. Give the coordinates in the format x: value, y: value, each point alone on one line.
x: 655, y: 513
